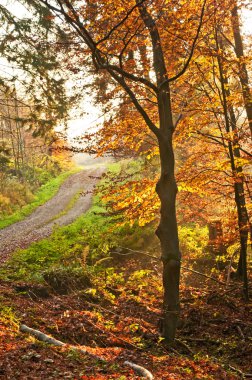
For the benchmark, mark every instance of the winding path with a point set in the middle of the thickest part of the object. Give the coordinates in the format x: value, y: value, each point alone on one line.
x: 60, y: 210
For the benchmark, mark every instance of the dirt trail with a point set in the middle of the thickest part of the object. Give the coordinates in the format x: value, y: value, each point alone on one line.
x: 61, y: 210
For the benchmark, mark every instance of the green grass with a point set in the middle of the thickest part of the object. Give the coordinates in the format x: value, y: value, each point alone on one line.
x: 46, y: 192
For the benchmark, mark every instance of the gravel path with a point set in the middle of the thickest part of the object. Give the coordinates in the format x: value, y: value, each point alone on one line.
x: 56, y: 211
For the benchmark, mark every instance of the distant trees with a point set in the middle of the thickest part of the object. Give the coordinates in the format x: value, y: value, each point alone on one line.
x: 25, y: 163
x: 18, y: 144
x: 12, y: 133
x: 30, y: 72
x: 33, y: 101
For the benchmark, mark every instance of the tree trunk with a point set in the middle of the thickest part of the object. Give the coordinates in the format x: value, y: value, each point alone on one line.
x: 243, y: 73
x: 166, y: 187
x: 240, y: 200
x: 167, y: 232
x: 243, y: 229
x: 168, y: 235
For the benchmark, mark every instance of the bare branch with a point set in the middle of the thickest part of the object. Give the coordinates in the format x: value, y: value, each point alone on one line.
x: 130, y: 76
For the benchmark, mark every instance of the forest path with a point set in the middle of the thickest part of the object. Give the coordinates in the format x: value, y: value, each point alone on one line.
x: 71, y: 201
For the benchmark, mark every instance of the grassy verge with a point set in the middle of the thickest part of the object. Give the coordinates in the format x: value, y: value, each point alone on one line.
x: 46, y: 192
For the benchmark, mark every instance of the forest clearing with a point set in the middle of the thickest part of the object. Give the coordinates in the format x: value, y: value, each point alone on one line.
x: 125, y: 189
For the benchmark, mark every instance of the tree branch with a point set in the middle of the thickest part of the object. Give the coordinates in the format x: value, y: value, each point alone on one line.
x: 138, y: 106
x: 130, y: 76
x: 192, y: 49
x: 119, y: 23
x: 96, y: 53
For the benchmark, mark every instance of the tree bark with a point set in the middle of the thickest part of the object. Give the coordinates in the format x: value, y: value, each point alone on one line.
x: 243, y: 73
x: 241, y: 204
x: 167, y: 230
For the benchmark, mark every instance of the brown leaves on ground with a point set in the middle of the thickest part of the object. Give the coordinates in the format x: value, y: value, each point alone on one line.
x: 120, y: 328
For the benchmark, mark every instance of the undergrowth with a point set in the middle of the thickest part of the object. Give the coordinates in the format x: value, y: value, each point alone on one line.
x: 8, y: 316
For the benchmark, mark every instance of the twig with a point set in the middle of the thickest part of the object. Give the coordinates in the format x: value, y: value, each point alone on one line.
x: 183, y: 344
x: 203, y: 274
x: 205, y: 340
x: 132, y: 251
x: 243, y: 375
x: 234, y: 369
x: 114, y: 336
x: 136, y: 251
x: 241, y: 333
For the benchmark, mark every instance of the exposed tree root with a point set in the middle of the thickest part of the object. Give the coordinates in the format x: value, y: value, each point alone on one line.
x: 48, y: 339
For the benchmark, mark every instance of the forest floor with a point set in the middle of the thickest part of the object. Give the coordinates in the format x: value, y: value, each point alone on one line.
x: 117, y: 320
x: 71, y: 201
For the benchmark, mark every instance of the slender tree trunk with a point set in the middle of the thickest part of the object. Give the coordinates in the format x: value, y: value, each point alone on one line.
x: 243, y: 73
x: 12, y: 135
x: 240, y: 200
x: 239, y: 192
x: 20, y: 142
x: 167, y: 233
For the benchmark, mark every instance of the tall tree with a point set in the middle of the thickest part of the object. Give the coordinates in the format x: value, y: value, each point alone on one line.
x: 237, y: 171
x: 111, y: 32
